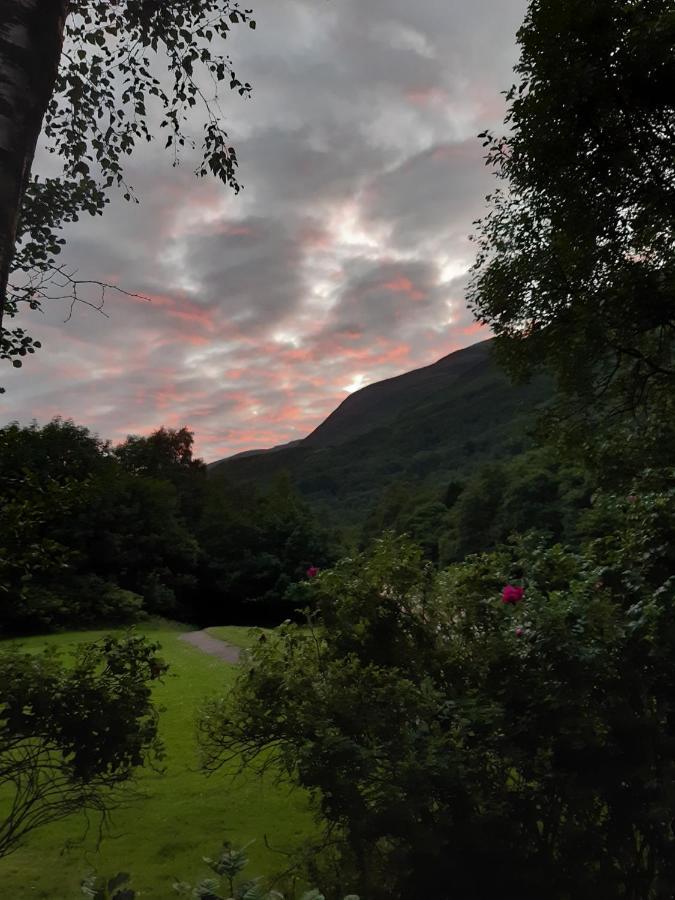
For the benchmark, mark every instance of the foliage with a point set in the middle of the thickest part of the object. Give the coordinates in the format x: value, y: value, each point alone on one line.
x: 72, y: 734
x: 575, y: 270
x: 162, y: 454
x: 455, y: 738
x: 28, y: 555
x: 82, y: 541
x: 259, y: 546
x: 93, y: 534
x: 532, y: 491
x: 58, y: 450
x: 227, y: 867
x: 125, y: 65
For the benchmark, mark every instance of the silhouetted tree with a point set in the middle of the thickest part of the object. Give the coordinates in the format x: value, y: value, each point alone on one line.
x: 84, y: 73
x: 576, y: 263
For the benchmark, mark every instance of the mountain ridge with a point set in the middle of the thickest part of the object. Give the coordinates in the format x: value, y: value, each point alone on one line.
x: 427, y: 425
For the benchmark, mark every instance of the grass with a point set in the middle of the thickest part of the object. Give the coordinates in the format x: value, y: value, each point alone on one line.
x: 239, y: 635
x: 185, y: 815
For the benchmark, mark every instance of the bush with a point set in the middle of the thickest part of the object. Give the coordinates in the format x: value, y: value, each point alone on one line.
x: 455, y: 734
x: 73, y: 733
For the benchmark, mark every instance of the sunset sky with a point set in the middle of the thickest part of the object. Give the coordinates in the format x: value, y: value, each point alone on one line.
x: 342, y: 262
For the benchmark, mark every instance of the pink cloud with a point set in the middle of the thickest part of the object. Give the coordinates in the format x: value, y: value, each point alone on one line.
x: 476, y: 329
x: 403, y: 285
x: 426, y: 96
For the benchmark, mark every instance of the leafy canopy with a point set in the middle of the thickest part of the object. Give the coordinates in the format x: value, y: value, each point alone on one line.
x: 576, y: 256
x: 130, y: 70
x: 452, y: 738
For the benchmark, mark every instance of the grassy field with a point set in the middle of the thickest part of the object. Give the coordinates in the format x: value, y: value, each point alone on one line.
x: 185, y: 815
x: 239, y: 635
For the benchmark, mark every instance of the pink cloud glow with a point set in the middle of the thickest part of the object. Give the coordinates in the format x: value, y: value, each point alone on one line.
x: 427, y: 96
x: 403, y: 285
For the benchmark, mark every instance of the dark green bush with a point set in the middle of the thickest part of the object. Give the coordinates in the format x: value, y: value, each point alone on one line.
x: 457, y: 740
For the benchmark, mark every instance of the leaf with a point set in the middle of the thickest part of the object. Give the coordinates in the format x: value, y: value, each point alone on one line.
x: 206, y: 889
x: 118, y: 880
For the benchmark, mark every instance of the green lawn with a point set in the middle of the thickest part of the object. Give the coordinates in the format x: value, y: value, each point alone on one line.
x: 239, y: 635
x: 185, y: 815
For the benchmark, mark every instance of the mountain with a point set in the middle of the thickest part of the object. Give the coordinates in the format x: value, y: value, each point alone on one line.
x: 256, y: 452
x: 428, y: 426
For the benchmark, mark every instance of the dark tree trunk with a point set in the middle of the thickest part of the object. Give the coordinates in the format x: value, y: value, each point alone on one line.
x: 31, y: 39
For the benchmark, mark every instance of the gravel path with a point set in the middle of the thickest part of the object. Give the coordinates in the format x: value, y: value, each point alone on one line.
x: 209, y: 644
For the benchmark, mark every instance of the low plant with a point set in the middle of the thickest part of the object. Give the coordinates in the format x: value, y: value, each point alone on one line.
x: 226, y: 883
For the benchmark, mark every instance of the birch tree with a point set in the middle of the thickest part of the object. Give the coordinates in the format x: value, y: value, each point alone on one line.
x: 576, y: 256
x: 91, y: 76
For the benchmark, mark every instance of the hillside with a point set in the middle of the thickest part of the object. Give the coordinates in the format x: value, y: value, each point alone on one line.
x: 427, y: 426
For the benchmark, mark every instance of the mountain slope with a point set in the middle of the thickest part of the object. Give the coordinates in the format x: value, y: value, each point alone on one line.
x: 378, y: 404
x: 427, y: 426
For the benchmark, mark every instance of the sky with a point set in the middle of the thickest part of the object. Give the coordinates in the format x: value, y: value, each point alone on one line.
x: 342, y: 262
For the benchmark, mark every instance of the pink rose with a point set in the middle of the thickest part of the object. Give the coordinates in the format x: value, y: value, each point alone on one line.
x: 519, y: 631
x: 312, y: 572
x: 512, y: 594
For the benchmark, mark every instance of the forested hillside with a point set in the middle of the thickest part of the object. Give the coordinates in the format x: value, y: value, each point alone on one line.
x: 427, y: 427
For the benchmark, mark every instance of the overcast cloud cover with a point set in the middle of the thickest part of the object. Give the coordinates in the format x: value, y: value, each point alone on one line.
x: 342, y: 262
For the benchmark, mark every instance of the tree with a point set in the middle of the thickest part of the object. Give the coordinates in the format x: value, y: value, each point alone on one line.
x: 167, y: 454
x: 59, y: 450
x: 160, y: 455
x: 576, y: 256
x: 257, y: 548
x: 72, y: 734
x: 85, y: 540
x: 84, y: 72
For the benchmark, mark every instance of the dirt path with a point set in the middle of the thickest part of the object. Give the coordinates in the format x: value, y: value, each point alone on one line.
x: 209, y: 644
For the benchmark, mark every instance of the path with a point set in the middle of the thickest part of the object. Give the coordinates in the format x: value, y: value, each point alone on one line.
x: 208, y: 644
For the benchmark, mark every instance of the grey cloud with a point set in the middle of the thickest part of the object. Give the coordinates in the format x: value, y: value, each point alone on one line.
x: 250, y: 271
x: 437, y: 192
x: 382, y: 297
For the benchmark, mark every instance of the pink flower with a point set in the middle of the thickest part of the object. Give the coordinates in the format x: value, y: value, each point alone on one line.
x: 312, y: 572
x: 519, y: 631
x: 512, y: 594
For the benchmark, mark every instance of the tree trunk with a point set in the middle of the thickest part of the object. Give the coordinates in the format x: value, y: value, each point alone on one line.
x: 31, y: 39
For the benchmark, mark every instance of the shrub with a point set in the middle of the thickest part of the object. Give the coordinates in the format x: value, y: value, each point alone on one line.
x: 455, y: 734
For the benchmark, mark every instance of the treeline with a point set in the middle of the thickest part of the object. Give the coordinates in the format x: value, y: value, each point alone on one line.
x: 535, y: 491
x: 92, y: 533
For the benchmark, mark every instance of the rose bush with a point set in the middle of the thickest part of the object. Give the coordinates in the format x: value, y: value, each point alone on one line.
x: 451, y: 736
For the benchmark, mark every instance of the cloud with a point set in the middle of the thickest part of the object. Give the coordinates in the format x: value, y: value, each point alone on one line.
x: 342, y: 261
x: 431, y: 197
